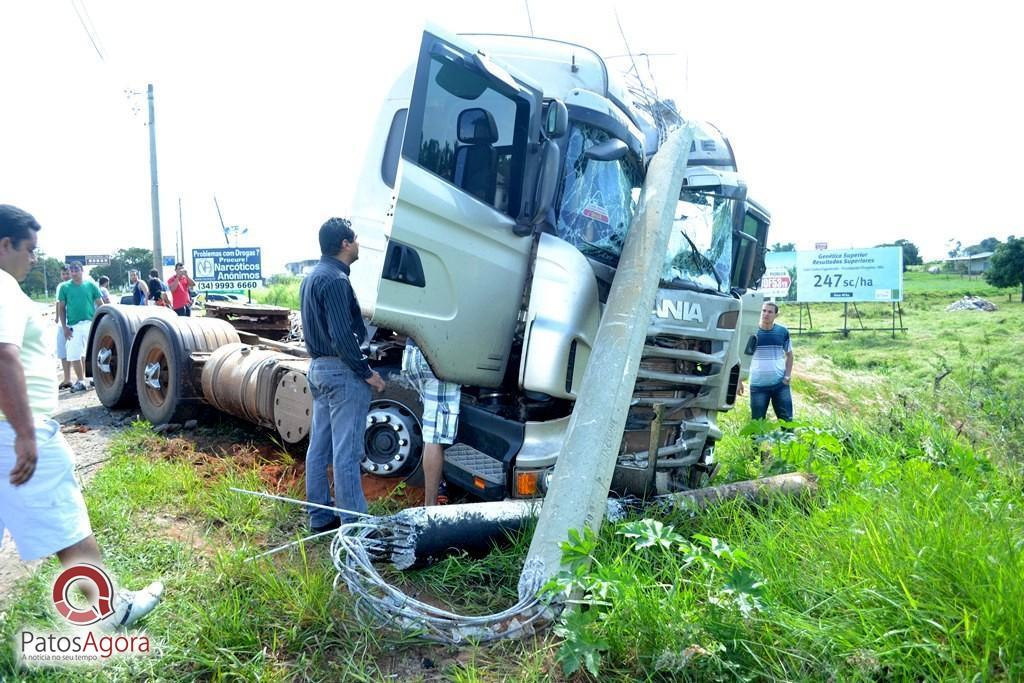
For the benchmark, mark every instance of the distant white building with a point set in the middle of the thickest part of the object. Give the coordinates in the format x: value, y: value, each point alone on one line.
x: 301, y: 267
x: 975, y: 264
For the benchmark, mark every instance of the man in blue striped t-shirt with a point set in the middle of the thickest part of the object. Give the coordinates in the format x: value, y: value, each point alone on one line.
x: 771, y: 368
x: 339, y: 377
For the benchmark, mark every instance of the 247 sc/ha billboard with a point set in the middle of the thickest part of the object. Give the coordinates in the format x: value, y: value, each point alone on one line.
x: 848, y: 275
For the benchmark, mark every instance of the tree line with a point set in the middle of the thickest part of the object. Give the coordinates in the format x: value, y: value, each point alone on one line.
x: 42, y: 280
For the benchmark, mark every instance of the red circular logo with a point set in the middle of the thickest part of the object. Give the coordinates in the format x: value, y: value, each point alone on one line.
x: 104, y: 606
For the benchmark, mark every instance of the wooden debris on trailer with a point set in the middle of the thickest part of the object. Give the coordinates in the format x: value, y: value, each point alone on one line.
x: 272, y: 322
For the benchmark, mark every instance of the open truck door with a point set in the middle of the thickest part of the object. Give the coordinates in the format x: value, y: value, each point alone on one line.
x: 458, y: 255
x: 750, y: 245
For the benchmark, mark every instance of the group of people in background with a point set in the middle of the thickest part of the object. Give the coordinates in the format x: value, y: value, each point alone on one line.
x: 79, y: 296
x: 176, y: 294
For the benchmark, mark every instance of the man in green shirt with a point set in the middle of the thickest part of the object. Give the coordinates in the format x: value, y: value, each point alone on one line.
x: 77, y: 302
x: 62, y: 343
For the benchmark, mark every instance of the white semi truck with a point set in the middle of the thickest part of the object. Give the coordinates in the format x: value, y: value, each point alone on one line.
x: 492, y: 209
x: 520, y: 169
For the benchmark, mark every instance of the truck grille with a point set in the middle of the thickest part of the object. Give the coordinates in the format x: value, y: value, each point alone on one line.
x: 674, y: 369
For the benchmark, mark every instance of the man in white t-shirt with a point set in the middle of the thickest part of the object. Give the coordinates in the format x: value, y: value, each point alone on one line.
x: 40, y: 502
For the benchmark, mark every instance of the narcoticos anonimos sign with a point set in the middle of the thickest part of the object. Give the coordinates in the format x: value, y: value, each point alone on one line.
x: 835, y: 275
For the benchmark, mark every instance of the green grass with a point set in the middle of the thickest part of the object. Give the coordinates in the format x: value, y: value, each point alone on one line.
x: 905, y: 565
x: 942, y: 284
x: 284, y: 291
x: 224, y: 618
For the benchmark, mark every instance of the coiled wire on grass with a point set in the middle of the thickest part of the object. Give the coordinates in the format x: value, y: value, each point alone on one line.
x: 357, y: 545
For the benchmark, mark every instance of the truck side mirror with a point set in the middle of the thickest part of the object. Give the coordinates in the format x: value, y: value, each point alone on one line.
x: 715, y: 181
x: 544, y: 194
x: 611, y: 149
x: 751, y: 345
x: 556, y: 119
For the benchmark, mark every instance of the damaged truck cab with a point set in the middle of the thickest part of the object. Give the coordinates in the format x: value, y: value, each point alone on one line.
x: 492, y: 212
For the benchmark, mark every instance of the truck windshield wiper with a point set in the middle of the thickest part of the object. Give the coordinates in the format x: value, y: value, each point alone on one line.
x: 600, y: 248
x: 703, y: 262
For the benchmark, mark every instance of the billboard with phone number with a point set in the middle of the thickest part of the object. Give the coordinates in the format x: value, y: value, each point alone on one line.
x: 227, y: 268
x: 849, y: 275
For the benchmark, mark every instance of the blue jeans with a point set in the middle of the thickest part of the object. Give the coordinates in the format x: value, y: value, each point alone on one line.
x: 341, y: 401
x: 780, y: 397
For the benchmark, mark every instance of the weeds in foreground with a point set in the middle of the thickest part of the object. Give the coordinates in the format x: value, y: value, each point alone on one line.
x: 905, y: 565
x: 656, y: 572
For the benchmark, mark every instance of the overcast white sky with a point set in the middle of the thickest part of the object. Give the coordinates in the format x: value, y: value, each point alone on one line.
x: 854, y: 123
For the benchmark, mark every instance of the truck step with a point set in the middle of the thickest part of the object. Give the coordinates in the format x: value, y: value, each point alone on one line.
x: 474, y: 471
x: 475, y: 462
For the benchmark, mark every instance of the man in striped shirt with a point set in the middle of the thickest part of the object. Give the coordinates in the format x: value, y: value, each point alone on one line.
x: 339, y: 377
x: 771, y: 368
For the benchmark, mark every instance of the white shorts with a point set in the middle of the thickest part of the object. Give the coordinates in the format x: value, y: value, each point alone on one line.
x: 62, y: 352
x: 79, y: 340
x: 47, y: 513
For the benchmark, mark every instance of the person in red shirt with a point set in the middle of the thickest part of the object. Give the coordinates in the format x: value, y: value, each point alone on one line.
x: 178, y: 284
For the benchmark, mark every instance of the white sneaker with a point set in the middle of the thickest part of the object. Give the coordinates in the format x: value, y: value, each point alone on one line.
x: 131, y: 606
x: 79, y: 386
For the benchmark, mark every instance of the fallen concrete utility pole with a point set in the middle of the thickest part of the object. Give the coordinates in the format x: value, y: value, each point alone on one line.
x: 757, y: 491
x: 417, y: 537
x: 576, y: 497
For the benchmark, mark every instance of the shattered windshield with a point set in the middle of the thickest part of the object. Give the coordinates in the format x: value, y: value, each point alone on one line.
x: 598, y: 197
x: 700, y: 248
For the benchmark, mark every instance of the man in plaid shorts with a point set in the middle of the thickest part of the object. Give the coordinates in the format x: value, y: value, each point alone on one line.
x: 440, y: 416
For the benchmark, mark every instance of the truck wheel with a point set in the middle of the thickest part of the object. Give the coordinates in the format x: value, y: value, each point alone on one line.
x: 394, y: 432
x: 158, y: 379
x: 110, y: 364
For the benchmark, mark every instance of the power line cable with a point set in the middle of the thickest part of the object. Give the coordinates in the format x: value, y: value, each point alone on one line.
x: 664, y: 114
x: 85, y: 27
x: 355, y: 547
x: 528, y: 17
x: 92, y: 26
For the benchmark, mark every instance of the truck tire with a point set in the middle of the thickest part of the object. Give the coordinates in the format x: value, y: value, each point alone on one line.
x: 158, y: 380
x: 108, y: 356
x: 110, y: 364
x: 168, y: 387
x: 394, y: 428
